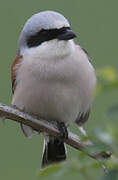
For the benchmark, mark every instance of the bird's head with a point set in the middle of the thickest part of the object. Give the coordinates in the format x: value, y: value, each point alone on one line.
x: 47, y: 32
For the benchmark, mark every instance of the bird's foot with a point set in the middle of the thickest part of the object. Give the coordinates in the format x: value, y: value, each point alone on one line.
x: 63, y: 130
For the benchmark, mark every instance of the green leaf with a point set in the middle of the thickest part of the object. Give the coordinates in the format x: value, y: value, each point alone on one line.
x: 108, y: 73
x: 50, y: 170
x: 112, y: 175
x: 113, y: 110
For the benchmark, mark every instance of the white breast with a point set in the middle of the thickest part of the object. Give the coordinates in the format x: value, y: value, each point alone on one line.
x: 55, y: 89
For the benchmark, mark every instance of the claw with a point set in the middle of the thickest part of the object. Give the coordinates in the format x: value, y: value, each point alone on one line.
x: 63, y: 129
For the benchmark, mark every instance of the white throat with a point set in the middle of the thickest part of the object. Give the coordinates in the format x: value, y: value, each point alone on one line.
x: 50, y: 49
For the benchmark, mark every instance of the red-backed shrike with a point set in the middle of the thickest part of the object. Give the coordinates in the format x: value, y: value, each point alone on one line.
x: 52, y: 78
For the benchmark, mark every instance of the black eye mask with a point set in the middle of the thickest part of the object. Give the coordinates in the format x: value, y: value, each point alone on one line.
x: 45, y: 35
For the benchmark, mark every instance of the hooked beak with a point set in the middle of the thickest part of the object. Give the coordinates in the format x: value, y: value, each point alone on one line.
x: 67, y: 35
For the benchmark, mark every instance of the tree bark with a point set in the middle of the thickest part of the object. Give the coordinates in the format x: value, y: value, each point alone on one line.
x: 41, y: 125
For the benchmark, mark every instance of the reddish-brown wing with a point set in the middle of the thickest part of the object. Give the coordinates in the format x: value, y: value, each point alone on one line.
x: 13, y: 71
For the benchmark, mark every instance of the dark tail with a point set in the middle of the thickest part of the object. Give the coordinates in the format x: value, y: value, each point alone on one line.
x: 54, y: 151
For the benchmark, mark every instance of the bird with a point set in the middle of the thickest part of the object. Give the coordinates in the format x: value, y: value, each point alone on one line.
x: 52, y: 79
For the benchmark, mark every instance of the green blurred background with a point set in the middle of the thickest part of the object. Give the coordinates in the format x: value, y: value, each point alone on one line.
x: 96, y: 24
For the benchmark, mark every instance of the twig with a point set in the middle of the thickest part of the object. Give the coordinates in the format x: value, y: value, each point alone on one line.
x: 44, y: 126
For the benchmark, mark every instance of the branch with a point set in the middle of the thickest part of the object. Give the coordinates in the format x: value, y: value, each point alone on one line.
x: 44, y: 126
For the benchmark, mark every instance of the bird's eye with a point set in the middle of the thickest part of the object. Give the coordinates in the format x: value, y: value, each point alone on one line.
x: 43, y: 32
x: 63, y: 30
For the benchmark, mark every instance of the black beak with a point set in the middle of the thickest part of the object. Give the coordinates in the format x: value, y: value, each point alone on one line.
x: 67, y: 35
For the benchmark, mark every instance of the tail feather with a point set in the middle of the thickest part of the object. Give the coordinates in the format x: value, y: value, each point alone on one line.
x: 27, y: 130
x: 54, y: 152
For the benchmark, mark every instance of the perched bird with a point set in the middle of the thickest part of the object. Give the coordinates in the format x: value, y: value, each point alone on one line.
x: 52, y: 78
